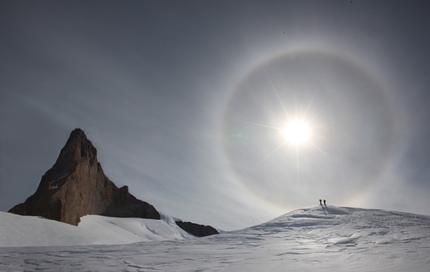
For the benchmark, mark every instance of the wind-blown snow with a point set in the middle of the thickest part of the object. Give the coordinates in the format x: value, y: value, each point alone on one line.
x: 312, y: 239
x: 26, y: 231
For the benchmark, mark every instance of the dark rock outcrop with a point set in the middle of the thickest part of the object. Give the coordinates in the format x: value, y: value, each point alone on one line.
x: 76, y: 186
x: 196, y: 229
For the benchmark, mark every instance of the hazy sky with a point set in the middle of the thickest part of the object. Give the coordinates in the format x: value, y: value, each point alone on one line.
x: 184, y: 101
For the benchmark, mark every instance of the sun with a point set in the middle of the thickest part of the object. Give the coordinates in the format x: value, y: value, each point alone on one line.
x: 296, y: 132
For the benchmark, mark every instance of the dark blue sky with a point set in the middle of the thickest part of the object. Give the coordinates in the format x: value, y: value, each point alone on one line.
x: 182, y: 100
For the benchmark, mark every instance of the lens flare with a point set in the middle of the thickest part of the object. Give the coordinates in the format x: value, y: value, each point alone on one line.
x: 296, y: 132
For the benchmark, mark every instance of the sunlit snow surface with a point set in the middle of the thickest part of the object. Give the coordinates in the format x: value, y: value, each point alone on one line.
x: 313, y: 239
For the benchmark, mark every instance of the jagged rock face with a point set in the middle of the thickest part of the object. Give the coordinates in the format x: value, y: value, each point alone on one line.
x: 197, y: 229
x: 76, y: 186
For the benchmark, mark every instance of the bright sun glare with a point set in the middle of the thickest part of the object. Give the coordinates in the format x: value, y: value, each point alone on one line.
x: 296, y: 132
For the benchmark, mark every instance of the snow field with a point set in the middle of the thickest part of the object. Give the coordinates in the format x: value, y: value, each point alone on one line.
x: 312, y: 239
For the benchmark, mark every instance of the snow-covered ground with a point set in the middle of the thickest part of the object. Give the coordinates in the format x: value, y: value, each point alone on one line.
x: 312, y: 239
x: 30, y: 231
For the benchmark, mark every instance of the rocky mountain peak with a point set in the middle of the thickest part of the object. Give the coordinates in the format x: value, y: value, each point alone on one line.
x: 78, y: 148
x: 78, y: 151
x: 76, y: 186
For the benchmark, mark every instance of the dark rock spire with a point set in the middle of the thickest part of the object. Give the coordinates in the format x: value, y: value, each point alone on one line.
x: 76, y: 186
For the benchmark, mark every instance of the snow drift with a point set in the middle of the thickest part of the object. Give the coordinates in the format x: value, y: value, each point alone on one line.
x: 312, y: 239
x: 26, y: 231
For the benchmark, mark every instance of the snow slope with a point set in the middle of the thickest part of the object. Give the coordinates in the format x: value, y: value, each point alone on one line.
x: 25, y: 231
x: 312, y: 239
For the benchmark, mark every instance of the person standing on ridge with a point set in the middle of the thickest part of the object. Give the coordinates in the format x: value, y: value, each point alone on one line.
x: 320, y: 202
x: 324, y: 203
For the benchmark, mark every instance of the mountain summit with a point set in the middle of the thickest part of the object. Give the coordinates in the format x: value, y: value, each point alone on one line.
x: 76, y: 186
